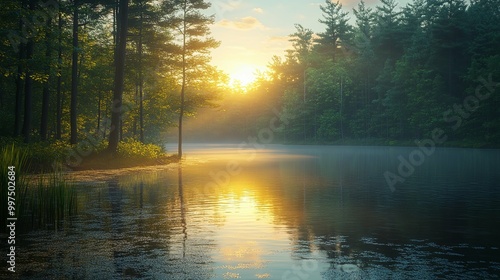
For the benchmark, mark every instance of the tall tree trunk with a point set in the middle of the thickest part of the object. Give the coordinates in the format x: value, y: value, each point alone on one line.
x: 46, y: 86
x: 183, y: 88
x: 341, y: 107
x: 99, y: 114
x: 28, y: 94
x: 104, y: 130
x: 119, y: 76
x: 115, y: 27
x: 74, y: 77
x: 19, y: 91
x: 19, y: 79
x: 28, y: 87
x: 121, y: 128
x: 59, y: 81
x: 141, y: 80
x: 181, y: 113
x: 136, y: 100
x: 1, y: 94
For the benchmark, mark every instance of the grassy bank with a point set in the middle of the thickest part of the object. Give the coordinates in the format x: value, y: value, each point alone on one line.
x: 46, y: 157
x: 41, y: 204
x: 130, y: 153
x: 50, y: 199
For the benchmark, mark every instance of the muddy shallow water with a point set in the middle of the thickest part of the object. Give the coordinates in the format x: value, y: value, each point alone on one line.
x: 281, y: 212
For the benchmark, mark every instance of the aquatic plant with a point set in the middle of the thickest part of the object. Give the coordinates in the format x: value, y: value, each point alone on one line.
x: 44, y: 202
x: 51, y: 200
x: 15, y: 160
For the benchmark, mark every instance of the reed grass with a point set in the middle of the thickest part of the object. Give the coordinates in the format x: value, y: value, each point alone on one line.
x: 50, y: 201
x: 40, y: 204
x: 10, y: 155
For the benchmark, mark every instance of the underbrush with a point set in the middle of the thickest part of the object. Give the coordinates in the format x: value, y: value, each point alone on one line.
x: 45, y: 157
x: 131, y: 149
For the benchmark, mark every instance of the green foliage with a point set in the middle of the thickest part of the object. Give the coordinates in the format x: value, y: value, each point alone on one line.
x: 39, y: 156
x: 388, y: 76
x: 41, y: 153
x: 49, y: 201
x: 388, y: 79
x: 329, y: 125
x: 133, y: 149
x: 15, y: 160
x: 152, y: 72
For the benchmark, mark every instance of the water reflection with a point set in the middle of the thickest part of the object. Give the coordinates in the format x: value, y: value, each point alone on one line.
x: 289, y: 213
x: 183, y: 212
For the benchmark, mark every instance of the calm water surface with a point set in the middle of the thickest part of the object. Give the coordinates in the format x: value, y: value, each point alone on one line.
x: 282, y: 212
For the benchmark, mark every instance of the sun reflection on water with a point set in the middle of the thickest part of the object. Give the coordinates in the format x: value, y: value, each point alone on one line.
x: 248, y: 236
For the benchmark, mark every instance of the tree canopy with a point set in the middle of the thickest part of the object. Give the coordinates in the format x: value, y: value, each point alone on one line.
x: 387, y: 74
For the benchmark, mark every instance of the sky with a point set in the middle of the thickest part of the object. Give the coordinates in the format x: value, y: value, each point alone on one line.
x: 253, y: 31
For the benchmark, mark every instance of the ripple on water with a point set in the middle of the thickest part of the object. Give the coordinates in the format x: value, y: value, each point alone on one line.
x: 415, y: 260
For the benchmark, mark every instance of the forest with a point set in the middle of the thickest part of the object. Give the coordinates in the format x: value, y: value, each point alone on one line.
x: 292, y: 173
x: 105, y: 71
x: 387, y: 75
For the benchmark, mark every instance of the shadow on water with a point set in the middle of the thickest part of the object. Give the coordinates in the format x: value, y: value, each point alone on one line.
x: 288, y: 213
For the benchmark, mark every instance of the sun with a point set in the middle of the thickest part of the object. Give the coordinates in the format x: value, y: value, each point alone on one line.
x: 242, y: 76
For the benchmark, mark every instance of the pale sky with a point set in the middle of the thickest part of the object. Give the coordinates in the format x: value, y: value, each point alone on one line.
x: 251, y: 32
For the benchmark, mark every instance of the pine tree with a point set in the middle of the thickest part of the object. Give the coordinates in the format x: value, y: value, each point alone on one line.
x: 190, y: 51
x: 119, y: 75
x: 338, y: 30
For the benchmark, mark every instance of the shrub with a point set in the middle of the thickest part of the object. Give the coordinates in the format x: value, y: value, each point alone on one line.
x: 131, y: 148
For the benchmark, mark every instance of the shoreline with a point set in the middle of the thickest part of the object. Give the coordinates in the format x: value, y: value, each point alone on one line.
x: 102, y: 175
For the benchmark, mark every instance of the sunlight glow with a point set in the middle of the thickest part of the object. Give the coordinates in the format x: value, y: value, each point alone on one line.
x: 243, y: 76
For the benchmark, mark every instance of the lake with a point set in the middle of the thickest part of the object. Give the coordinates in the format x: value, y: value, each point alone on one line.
x: 281, y: 212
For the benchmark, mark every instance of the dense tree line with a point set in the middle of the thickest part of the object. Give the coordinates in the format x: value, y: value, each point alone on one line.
x: 107, y: 69
x: 386, y: 73
x: 389, y: 74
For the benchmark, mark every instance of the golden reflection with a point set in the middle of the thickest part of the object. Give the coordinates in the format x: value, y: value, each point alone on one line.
x: 248, y: 233
x: 246, y: 251
x: 183, y: 212
x: 252, y: 205
x: 231, y: 275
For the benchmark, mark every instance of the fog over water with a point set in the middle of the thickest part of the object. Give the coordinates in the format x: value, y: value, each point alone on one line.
x: 281, y: 212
